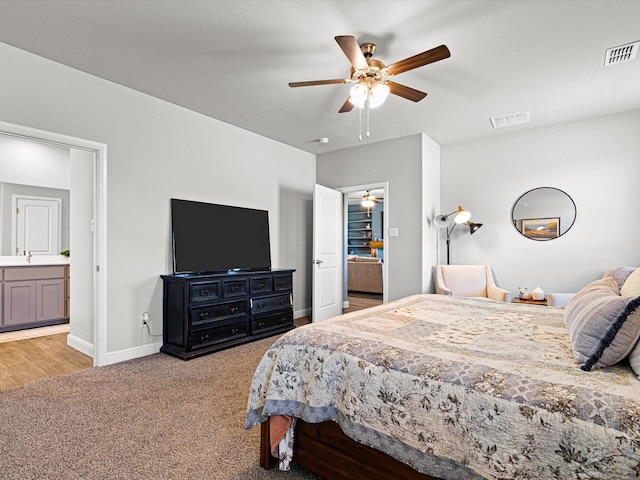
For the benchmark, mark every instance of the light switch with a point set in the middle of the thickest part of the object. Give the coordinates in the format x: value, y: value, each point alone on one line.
x: 393, y: 232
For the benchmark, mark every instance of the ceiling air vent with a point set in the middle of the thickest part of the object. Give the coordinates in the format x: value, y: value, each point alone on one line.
x: 510, y: 119
x: 623, y: 53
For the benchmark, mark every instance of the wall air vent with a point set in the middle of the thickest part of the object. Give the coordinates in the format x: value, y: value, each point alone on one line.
x: 510, y: 119
x: 623, y: 53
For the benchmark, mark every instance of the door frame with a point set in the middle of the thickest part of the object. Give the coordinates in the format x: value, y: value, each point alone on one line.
x: 385, y: 234
x: 100, y: 223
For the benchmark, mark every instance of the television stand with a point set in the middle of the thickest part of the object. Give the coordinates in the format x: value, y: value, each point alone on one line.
x: 204, y: 313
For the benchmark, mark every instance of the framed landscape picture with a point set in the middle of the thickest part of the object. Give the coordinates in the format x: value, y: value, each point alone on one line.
x: 541, y: 228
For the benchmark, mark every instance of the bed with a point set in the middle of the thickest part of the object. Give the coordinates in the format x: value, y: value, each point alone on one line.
x: 451, y: 388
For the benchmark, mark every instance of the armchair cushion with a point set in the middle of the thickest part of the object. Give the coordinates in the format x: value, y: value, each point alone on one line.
x: 469, y: 281
x: 559, y: 299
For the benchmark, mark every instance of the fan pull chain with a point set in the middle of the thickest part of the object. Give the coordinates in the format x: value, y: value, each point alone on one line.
x: 368, y: 116
x: 359, y: 124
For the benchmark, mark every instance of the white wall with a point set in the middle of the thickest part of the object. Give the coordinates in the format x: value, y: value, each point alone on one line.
x: 33, y: 163
x: 156, y: 151
x: 597, y: 162
x: 399, y: 162
x: 81, y: 246
x: 430, y: 208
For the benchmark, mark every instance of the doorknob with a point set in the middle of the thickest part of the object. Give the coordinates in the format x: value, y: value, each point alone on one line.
x: 317, y: 262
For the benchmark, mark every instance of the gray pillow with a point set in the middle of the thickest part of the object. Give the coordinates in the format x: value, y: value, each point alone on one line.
x: 620, y: 274
x: 603, y: 326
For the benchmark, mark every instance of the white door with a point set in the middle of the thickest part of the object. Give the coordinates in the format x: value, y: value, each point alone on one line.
x: 327, y: 254
x: 37, y: 225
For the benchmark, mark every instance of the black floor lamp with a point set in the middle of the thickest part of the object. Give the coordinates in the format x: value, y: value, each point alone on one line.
x: 461, y: 216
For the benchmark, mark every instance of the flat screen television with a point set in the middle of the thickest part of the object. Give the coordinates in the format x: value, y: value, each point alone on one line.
x: 211, y: 238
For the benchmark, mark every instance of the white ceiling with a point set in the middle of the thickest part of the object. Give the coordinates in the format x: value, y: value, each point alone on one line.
x: 232, y: 60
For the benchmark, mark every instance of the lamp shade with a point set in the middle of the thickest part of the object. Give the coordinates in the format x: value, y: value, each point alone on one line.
x: 462, y: 216
x: 358, y: 95
x: 441, y: 221
x: 473, y: 227
x: 376, y: 94
x: 379, y: 94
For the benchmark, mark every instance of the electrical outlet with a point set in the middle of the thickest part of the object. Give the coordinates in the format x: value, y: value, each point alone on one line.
x: 144, y: 319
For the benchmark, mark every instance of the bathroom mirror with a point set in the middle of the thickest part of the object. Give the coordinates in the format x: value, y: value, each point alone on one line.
x: 543, y: 213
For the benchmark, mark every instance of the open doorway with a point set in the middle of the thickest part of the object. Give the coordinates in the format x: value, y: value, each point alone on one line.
x: 366, y: 259
x: 90, y: 253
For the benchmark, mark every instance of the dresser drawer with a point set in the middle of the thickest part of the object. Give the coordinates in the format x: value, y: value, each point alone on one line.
x: 204, y: 291
x: 221, y: 311
x: 261, y: 285
x: 267, y: 304
x: 282, y: 283
x: 271, y: 322
x: 223, y: 332
x: 234, y: 288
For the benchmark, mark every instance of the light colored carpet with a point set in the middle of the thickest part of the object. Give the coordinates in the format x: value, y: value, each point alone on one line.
x: 156, y: 417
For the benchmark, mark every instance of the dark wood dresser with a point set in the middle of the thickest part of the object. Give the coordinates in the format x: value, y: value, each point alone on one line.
x: 204, y: 313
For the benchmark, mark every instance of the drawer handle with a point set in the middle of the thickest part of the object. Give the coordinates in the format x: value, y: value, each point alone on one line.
x: 260, y: 304
x: 235, y: 288
x: 204, y: 315
x: 260, y: 324
x: 204, y: 292
x: 234, y: 309
x: 204, y: 337
x: 283, y: 301
x: 260, y: 285
x: 234, y: 331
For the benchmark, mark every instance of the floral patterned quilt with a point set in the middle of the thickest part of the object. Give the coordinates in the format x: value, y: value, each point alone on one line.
x: 458, y: 388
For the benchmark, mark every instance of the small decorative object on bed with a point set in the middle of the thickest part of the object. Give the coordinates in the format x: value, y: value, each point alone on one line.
x: 457, y: 388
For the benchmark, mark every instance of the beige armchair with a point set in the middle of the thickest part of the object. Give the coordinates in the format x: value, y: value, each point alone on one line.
x: 469, y: 281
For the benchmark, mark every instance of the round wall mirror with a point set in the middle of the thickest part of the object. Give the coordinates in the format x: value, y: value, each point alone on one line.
x: 543, y: 213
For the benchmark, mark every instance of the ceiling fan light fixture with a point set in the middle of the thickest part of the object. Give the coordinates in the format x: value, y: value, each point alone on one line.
x: 368, y: 200
x: 358, y: 95
x: 376, y: 94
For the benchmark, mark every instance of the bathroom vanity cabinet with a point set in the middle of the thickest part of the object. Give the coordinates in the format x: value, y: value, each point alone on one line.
x: 33, y: 296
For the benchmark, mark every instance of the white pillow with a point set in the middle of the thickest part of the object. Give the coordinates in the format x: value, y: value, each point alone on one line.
x: 631, y: 286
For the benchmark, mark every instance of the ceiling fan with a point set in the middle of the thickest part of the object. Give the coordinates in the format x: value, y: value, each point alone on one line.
x: 371, y: 76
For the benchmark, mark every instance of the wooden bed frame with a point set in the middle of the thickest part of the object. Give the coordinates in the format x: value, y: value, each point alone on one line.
x: 324, y: 449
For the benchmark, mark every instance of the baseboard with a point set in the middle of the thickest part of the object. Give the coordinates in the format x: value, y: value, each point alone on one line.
x: 131, y: 353
x: 81, y: 345
x: 114, y: 357
x: 302, y: 313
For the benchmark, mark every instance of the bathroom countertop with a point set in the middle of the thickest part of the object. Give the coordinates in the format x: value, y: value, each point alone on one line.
x: 36, y: 261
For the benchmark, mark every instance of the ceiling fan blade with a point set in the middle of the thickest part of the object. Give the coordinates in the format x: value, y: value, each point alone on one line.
x: 419, y: 60
x: 319, y: 82
x: 406, y: 92
x: 347, y: 107
x: 351, y: 49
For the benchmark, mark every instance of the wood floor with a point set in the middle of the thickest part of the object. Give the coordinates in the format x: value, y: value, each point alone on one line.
x: 360, y: 301
x: 28, y: 360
